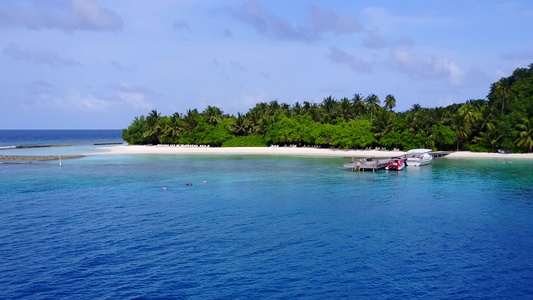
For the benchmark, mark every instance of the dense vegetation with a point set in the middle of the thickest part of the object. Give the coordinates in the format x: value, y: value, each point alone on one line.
x: 503, y: 120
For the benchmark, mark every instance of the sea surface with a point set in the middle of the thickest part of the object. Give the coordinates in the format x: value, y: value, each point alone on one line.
x: 58, y: 137
x: 263, y: 227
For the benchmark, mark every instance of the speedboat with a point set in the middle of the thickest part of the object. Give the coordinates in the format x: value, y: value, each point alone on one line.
x: 395, y: 164
x: 418, y: 157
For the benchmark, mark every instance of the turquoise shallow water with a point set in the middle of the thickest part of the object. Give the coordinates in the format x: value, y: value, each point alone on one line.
x: 264, y: 227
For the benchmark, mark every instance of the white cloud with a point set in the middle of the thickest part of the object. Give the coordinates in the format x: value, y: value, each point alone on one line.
x: 266, y: 23
x: 336, y: 22
x: 425, y: 67
x: 248, y: 100
x: 91, y: 103
x: 69, y: 16
x: 74, y: 101
x: 134, y: 99
x: 381, y: 18
x: 237, y: 66
x: 374, y: 40
x: 523, y: 55
x: 50, y: 58
x: 90, y: 16
x: 356, y: 64
x: 455, y: 74
x: 181, y: 24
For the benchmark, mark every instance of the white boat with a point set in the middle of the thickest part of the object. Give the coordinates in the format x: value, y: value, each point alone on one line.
x: 418, y: 157
x: 395, y: 164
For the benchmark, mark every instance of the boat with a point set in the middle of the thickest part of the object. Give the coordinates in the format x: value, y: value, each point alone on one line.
x: 395, y: 164
x: 418, y: 157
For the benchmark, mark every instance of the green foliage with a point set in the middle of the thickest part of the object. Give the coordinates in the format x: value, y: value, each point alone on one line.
x: 134, y: 134
x: 525, y: 134
x: 477, y: 148
x: 245, y: 141
x: 442, y: 136
x: 391, y: 139
x: 216, y: 135
x: 285, y: 131
x: 361, y: 136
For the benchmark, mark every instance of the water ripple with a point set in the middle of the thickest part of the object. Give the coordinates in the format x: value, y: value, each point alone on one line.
x: 264, y: 228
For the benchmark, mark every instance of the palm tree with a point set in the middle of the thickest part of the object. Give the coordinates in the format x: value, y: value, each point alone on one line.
x: 486, y: 118
x: 173, y: 128
x: 419, y: 121
x: 358, y: 104
x: 346, y: 109
x: 525, y: 134
x: 213, y: 115
x: 306, y: 106
x: 314, y: 112
x: 390, y: 102
x: 372, y: 103
x: 416, y: 107
x: 260, y: 117
x: 285, y: 109
x: 470, y: 113
x: 240, y: 126
x: 258, y: 121
x: 461, y: 128
x: 274, y: 108
x: 297, y: 109
x: 152, y: 120
x: 502, y: 90
x: 329, y: 105
x: 190, y: 121
x: 382, y: 123
x: 490, y: 138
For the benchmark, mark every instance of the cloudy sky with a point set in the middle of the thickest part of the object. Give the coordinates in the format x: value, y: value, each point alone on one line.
x: 95, y: 64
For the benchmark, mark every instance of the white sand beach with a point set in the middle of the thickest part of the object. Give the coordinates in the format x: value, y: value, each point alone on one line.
x: 468, y: 154
x: 295, y: 151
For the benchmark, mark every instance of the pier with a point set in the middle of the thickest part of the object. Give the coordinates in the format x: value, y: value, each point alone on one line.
x: 367, y: 164
x: 439, y: 153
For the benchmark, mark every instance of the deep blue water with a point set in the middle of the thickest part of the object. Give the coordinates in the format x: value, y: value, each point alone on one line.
x: 58, y: 137
x: 103, y: 227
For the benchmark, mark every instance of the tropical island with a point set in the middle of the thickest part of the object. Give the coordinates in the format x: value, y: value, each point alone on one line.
x: 503, y: 121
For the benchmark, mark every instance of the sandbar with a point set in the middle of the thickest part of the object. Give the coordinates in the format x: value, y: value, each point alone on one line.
x: 36, y: 157
x: 294, y: 151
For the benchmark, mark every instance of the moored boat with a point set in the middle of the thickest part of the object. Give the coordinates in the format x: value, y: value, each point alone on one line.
x: 395, y: 164
x: 418, y: 157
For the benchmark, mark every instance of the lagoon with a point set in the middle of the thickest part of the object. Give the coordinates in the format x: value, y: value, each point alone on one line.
x: 264, y: 227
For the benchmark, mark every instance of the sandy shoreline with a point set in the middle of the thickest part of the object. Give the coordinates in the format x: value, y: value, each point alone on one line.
x: 135, y: 149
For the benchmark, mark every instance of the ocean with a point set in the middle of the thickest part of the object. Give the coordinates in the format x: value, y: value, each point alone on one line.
x: 255, y: 227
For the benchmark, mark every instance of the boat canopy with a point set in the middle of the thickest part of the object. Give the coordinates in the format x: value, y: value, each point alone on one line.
x: 418, y: 151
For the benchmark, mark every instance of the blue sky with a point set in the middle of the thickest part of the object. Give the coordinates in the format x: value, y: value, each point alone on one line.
x: 94, y: 64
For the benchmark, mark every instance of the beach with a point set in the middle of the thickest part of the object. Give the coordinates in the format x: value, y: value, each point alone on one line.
x: 294, y: 151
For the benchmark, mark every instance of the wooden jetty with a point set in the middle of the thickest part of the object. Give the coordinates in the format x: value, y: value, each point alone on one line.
x: 439, y: 153
x: 366, y: 164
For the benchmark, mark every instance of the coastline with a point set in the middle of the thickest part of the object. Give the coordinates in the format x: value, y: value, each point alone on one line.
x: 294, y: 151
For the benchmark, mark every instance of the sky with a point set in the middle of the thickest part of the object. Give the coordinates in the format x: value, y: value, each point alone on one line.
x: 95, y: 64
